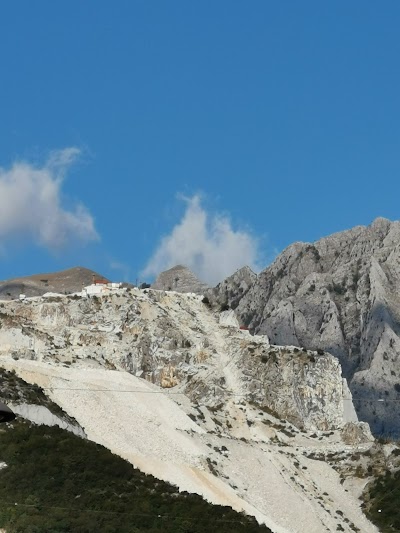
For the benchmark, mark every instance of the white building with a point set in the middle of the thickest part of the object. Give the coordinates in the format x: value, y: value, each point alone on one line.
x: 100, y: 288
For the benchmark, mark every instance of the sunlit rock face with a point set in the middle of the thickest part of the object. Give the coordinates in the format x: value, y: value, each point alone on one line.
x: 177, y: 342
x: 342, y: 295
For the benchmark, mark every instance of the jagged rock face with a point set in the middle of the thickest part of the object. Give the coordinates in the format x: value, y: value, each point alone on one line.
x: 179, y: 279
x: 340, y: 294
x: 232, y: 290
x: 175, y: 340
x: 300, y: 386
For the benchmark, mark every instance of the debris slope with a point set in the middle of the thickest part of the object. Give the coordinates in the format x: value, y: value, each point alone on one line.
x: 154, y: 377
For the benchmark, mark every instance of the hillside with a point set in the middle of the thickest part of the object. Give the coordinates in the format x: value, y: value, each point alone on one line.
x: 65, y: 282
x: 382, y: 501
x: 155, y: 378
x: 339, y: 294
x: 53, y: 480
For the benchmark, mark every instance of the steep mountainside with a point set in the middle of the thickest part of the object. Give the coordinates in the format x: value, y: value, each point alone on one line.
x: 269, y: 430
x: 53, y: 480
x: 175, y: 340
x: 340, y: 294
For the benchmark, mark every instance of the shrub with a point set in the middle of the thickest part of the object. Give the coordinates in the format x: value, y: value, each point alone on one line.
x: 384, y: 493
x: 339, y: 289
x: 65, y: 483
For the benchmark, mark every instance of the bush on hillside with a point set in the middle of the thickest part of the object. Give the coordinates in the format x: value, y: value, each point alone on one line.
x: 383, y: 498
x: 63, y: 483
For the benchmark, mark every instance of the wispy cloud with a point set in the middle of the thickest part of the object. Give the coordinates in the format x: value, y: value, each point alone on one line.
x: 31, y: 204
x: 207, y: 243
x: 123, y: 269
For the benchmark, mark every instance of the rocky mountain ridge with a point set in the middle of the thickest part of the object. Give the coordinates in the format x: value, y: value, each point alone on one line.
x: 154, y: 377
x: 340, y: 294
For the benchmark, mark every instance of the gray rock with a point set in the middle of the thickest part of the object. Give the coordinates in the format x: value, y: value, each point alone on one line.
x: 42, y: 416
x: 353, y: 434
x: 175, y: 340
x: 342, y: 295
x: 230, y: 291
x: 180, y: 279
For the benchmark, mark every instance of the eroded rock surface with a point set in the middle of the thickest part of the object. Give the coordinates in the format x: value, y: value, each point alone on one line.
x: 342, y: 295
x: 175, y: 340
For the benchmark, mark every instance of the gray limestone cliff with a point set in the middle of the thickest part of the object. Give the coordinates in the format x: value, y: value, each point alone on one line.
x: 230, y: 291
x: 341, y: 295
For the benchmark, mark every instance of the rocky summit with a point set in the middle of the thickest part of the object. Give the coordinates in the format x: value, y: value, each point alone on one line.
x: 180, y: 279
x: 340, y: 294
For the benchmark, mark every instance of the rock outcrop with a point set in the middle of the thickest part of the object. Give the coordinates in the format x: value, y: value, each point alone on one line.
x: 173, y: 339
x: 230, y: 291
x: 180, y: 279
x: 341, y: 295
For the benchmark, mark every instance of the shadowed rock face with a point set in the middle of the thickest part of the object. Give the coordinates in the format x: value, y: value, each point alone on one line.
x: 340, y: 294
x: 65, y: 281
x: 180, y: 279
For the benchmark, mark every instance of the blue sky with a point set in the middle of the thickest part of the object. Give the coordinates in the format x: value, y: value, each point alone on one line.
x: 230, y: 129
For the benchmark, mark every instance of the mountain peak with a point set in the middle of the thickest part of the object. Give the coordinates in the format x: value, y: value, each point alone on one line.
x: 180, y: 279
x: 64, y: 281
x: 338, y: 294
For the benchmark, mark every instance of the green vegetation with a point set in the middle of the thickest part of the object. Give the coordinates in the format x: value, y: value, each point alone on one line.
x: 16, y: 390
x: 382, y: 502
x: 62, y: 483
x: 206, y: 301
x: 339, y: 288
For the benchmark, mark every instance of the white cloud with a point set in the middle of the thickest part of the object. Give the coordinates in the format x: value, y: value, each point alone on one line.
x: 122, y: 268
x: 31, y: 204
x: 207, y: 244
